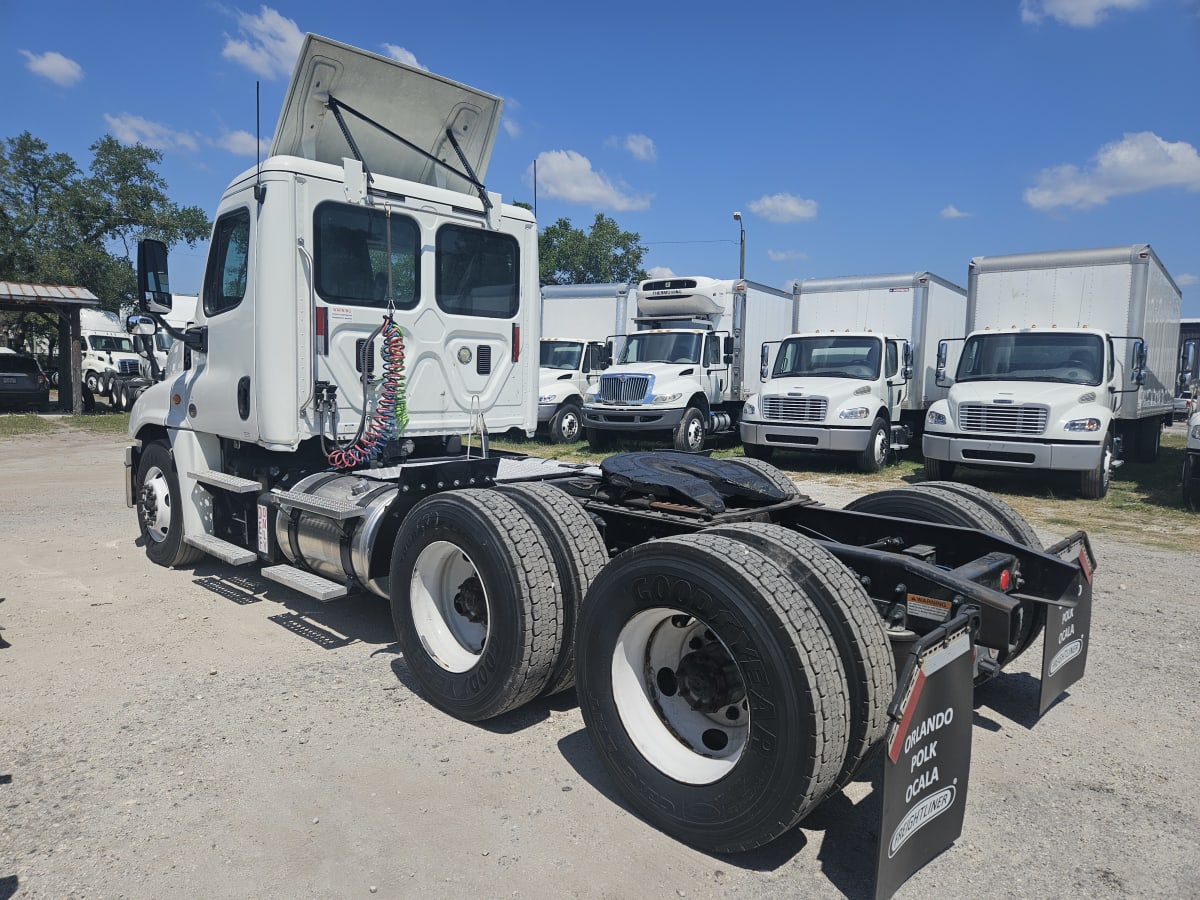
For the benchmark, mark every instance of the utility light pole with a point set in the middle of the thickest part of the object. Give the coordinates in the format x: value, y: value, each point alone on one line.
x: 737, y: 217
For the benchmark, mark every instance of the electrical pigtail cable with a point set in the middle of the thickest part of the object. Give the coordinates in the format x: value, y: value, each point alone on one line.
x: 391, y: 411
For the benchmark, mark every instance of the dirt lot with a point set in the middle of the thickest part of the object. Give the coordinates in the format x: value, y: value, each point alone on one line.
x: 208, y: 733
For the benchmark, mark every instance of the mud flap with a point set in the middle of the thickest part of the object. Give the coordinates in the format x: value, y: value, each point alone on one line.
x: 1068, y: 625
x: 928, y: 753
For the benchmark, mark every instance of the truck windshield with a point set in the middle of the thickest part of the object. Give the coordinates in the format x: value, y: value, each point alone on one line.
x: 1024, y: 356
x: 561, y: 355
x: 110, y: 343
x: 846, y: 356
x: 663, y: 347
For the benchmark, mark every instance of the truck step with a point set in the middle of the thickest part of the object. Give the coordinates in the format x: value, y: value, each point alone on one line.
x: 306, y: 583
x: 339, y: 510
x: 231, y: 483
x: 221, y: 549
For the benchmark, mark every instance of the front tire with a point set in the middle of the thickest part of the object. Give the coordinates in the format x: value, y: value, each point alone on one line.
x: 474, y: 603
x: 160, y: 508
x: 597, y: 438
x: 874, y: 455
x: 758, y: 451
x: 711, y: 691
x: 1093, y: 484
x: 91, y: 381
x: 566, y: 425
x: 938, y: 469
x: 1191, y: 482
x: 689, y: 433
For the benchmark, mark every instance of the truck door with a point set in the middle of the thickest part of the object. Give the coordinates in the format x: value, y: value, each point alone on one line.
x: 222, y: 399
x: 716, y: 373
x: 897, y: 385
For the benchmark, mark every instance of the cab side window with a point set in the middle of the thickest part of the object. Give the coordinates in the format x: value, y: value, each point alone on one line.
x: 228, y: 263
x: 893, y: 361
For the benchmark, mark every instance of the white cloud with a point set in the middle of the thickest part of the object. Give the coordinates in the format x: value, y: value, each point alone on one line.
x: 1077, y: 13
x: 784, y: 208
x: 1187, y: 280
x: 62, y: 71
x: 567, y: 175
x: 135, y: 130
x: 243, y: 143
x: 953, y: 212
x: 405, y: 56
x: 785, y: 255
x: 1138, y: 162
x: 641, y: 147
x: 268, y: 44
x: 510, y: 125
x: 660, y: 272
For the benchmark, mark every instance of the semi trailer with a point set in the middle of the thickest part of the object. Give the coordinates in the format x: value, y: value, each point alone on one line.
x: 739, y: 651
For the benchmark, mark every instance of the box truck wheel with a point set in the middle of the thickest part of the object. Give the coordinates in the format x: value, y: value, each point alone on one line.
x: 758, y: 451
x: 1191, y: 482
x: 1093, y: 484
x: 474, y: 603
x: 598, y: 438
x: 874, y: 455
x: 689, y: 433
x: 938, y: 469
x: 566, y: 424
x: 857, y: 629
x: 578, y: 552
x: 1149, y: 439
x: 160, y: 508
x: 672, y: 637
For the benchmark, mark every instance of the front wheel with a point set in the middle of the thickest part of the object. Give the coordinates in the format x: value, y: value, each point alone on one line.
x: 758, y: 451
x: 689, y: 433
x: 160, y: 508
x: 566, y: 425
x: 938, y: 469
x: 597, y: 438
x: 874, y: 455
x: 1191, y: 481
x: 711, y: 690
x: 91, y: 381
x: 1093, y: 484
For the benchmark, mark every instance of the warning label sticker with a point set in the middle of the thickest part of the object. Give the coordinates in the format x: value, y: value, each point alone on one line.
x: 928, y: 607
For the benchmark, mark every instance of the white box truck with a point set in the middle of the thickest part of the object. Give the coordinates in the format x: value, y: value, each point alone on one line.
x: 1069, y: 365
x: 732, y: 673
x: 857, y: 376
x: 578, y: 320
x: 1190, y: 476
x: 687, y: 369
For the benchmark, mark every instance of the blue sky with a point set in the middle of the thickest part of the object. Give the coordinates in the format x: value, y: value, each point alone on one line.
x: 855, y: 138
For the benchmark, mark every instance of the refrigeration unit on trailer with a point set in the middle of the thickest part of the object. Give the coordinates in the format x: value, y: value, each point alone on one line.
x: 857, y: 376
x: 578, y: 322
x: 1069, y: 365
x: 688, y: 368
x: 734, y: 644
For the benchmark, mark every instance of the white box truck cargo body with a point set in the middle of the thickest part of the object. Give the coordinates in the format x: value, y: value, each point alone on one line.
x: 577, y: 322
x: 1069, y: 365
x: 858, y: 374
x: 692, y: 362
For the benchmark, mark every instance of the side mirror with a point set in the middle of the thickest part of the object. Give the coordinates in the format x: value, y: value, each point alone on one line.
x: 727, y: 348
x: 939, y: 373
x: 1138, y: 373
x: 154, y: 289
x: 141, y: 325
x: 606, y: 355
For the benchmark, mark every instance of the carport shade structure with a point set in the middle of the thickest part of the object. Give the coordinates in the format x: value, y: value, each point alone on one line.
x: 65, y: 302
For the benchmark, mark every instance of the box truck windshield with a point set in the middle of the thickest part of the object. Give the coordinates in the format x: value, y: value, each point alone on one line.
x: 829, y: 357
x: 561, y: 355
x: 1061, y: 357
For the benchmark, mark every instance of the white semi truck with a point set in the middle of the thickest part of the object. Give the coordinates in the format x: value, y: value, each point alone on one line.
x: 857, y: 377
x: 578, y: 322
x: 1069, y: 365
x: 687, y: 369
x: 107, y: 351
x: 366, y: 301
x: 1190, y: 476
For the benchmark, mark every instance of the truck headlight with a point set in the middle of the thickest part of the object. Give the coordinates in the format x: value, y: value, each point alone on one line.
x: 546, y: 398
x: 748, y: 408
x: 935, y: 418
x: 665, y: 398
x: 859, y: 412
x: 1196, y: 432
x: 1082, y: 425
x: 592, y: 396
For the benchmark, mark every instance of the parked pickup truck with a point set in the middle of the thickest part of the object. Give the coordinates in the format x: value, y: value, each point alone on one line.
x: 1185, y: 405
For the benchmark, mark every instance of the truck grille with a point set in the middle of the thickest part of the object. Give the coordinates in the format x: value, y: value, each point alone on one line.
x: 1003, y: 419
x: 795, y: 409
x: 624, y: 388
x: 127, y: 366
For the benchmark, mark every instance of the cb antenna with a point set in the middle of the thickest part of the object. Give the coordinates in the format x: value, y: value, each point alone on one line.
x: 260, y: 189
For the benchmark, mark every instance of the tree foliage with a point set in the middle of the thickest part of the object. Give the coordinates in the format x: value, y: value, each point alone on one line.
x: 604, y: 254
x: 61, y: 225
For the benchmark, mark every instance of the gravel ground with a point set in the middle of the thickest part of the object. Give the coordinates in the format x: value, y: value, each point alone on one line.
x: 209, y: 733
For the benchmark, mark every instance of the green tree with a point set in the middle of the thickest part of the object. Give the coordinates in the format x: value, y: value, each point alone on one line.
x: 60, y: 225
x: 604, y: 254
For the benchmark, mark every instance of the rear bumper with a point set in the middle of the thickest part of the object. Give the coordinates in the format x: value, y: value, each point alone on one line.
x: 804, y: 437
x: 1079, y: 457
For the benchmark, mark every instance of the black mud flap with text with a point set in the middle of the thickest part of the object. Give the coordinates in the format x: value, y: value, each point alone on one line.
x: 1068, y: 625
x: 928, y: 754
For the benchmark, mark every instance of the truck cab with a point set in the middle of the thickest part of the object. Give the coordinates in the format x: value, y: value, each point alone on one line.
x: 831, y: 392
x: 568, y: 368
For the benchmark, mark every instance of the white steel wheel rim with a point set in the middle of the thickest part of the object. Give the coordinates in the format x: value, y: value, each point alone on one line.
x: 880, y: 447
x: 695, y: 433
x: 568, y: 425
x: 156, y: 488
x: 684, y: 743
x: 449, y: 636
